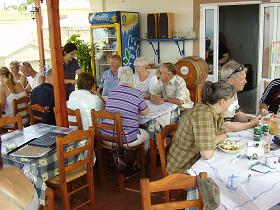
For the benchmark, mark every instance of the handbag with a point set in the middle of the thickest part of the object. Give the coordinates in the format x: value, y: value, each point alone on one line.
x: 119, y: 154
x: 210, y: 193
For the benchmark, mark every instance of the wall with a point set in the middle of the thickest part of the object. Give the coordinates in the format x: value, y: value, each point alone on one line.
x: 183, y: 17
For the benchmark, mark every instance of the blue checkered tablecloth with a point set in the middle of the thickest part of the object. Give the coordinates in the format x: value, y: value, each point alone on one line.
x: 38, y: 170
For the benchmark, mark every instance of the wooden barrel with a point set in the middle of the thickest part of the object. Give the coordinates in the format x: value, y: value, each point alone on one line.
x: 193, y: 69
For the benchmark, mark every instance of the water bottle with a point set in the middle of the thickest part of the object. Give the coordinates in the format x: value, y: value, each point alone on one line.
x: 278, y: 112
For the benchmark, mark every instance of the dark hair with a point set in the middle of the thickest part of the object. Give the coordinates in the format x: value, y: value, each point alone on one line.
x: 26, y: 64
x: 69, y: 47
x: 213, y: 92
x: 6, y: 72
x: 170, y: 67
x: 85, y: 81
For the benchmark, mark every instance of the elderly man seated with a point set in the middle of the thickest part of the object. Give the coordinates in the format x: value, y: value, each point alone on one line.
x: 234, y: 74
x: 270, y: 100
x: 171, y: 88
x: 34, y: 78
x: 144, y: 80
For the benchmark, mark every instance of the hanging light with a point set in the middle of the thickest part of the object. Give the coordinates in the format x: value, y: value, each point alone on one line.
x: 34, y: 10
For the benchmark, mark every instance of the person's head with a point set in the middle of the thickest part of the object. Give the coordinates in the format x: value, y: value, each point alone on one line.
x: 27, y: 69
x: 6, y: 75
x: 219, y: 94
x: 48, y: 76
x: 234, y: 74
x: 140, y: 65
x: 14, y: 67
x: 85, y: 81
x: 69, y: 51
x: 125, y: 76
x: 115, y: 63
x: 167, y: 72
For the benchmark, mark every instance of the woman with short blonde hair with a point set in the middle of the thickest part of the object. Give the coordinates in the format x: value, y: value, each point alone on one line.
x: 126, y: 76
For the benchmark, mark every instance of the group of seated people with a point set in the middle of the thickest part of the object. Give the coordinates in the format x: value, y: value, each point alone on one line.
x: 201, y: 127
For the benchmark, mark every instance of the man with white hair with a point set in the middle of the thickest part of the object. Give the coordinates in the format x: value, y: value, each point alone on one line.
x: 234, y: 74
x: 144, y: 80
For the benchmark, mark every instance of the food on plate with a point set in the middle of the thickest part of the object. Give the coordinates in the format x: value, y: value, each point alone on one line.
x: 231, y: 145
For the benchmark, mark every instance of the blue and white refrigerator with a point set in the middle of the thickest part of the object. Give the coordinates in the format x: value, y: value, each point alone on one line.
x: 113, y: 33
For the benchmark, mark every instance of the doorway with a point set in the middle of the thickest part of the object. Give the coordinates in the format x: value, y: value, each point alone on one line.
x: 239, y: 29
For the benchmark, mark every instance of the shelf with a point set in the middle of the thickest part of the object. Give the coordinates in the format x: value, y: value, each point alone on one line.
x: 176, y: 40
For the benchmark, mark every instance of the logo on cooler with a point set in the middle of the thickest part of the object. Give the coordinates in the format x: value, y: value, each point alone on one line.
x: 102, y: 16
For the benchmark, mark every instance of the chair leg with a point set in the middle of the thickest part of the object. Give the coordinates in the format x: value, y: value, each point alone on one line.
x: 65, y: 198
x: 153, y: 153
x: 167, y: 196
x: 101, y: 167
x: 142, y: 161
x: 91, y: 189
x: 121, y: 182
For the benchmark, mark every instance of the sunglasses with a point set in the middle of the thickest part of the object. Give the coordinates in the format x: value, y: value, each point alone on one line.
x: 238, y: 69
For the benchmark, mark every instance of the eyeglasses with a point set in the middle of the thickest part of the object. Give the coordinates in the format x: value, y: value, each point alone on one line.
x: 238, y: 69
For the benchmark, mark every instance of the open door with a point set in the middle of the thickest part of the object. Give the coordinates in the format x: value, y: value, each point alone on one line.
x: 209, y: 35
x: 269, y: 36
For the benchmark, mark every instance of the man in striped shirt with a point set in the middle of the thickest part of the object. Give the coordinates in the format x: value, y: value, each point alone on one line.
x: 271, y: 97
x: 130, y: 103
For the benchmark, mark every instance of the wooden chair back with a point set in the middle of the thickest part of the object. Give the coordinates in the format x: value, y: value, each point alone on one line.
x: 20, y: 106
x: 86, y: 163
x: 35, y: 112
x: 8, y: 120
x: 49, y: 205
x: 77, y: 114
x: 116, y: 126
x: 164, y: 140
x: 172, y: 182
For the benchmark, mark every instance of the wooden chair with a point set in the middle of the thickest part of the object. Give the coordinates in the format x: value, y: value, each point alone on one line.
x: 101, y: 147
x: 76, y: 170
x: 164, y: 140
x: 20, y: 106
x: 171, y: 182
x: 77, y: 114
x: 34, y: 112
x: 8, y: 120
x: 49, y: 205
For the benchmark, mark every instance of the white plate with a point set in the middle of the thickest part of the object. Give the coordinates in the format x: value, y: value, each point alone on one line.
x: 230, y: 151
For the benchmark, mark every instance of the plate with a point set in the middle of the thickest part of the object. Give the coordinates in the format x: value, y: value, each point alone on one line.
x: 231, y: 144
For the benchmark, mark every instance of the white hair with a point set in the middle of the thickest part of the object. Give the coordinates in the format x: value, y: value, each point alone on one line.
x: 126, y: 76
x: 141, y: 61
x: 228, y: 68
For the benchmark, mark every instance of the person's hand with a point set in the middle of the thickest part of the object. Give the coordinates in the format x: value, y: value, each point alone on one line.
x: 263, y: 112
x: 78, y: 71
x: 255, y: 121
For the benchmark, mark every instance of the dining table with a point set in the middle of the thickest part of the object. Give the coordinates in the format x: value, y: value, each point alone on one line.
x: 158, y: 117
x: 37, y: 169
x: 245, y: 184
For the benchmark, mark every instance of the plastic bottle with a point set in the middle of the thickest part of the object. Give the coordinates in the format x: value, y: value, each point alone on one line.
x: 278, y: 112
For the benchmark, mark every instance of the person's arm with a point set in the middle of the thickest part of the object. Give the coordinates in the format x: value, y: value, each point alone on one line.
x: 238, y: 126
x: 156, y: 94
x: 72, y: 81
x: 145, y: 111
x: 241, y: 117
x: 207, y: 154
x: 174, y: 101
x: 2, y: 98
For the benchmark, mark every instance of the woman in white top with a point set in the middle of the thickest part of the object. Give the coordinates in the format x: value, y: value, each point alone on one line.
x: 84, y: 99
x: 144, y: 80
x: 20, y: 78
x: 9, y: 90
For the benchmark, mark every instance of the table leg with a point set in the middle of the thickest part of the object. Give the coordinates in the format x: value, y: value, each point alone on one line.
x: 153, y: 153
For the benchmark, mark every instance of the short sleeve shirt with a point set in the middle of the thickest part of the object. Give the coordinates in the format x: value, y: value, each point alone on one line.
x: 108, y: 81
x: 70, y: 69
x: 197, y: 131
x: 147, y: 86
x: 175, y: 88
x: 232, y: 110
x: 271, y: 95
x: 129, y: 102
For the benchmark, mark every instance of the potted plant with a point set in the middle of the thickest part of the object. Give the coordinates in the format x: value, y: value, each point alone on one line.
x: 83, y: 53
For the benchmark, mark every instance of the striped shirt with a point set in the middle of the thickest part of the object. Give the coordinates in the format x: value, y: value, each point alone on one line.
x: 129, y: 102
x: 271, y: 95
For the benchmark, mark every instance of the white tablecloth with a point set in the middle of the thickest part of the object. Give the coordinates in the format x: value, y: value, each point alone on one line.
x: 251, y: 190
x: 160, y: 112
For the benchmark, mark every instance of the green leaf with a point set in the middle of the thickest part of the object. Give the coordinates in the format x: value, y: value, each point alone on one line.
x: 125, y: 61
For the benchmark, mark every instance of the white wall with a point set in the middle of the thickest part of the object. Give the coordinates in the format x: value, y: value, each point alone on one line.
x: 183, y: 19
